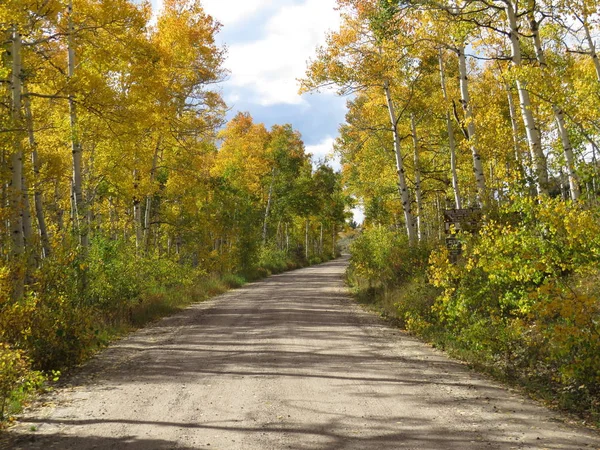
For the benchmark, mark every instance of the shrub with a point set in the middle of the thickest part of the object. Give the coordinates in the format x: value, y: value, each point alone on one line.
x: 17, y: 380
x: 521, y: 297
x: 383, y: 257
x: 233, y: 281
x: 314, y: 260
x: 272, y: 259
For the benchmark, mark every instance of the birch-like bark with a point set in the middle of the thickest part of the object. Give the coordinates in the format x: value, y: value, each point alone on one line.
x: 306, y: 240
x: 533, y: 135
x: 268, y: 208
x: 79, y: 213
x: 451, y: 138
x: 4, y: 203
x: 137, y: 211
x: 333, y: 233
x: 512, y: 112
x: 37, y: 193
x: 26, y: 208
x: 568, y: 150
x: 592, y: 47
x: 402, y: 187
x: 278, y: 236
x: 321, y: 241
x: 148, y: 211
x: 468, y: 111
x: 27, y: 226
x: 287, y: 238
x: 418, y: 195
x: 16, y: 160
x: 558, y: 115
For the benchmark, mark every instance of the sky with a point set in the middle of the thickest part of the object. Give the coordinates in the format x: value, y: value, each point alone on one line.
x: 268, y: 45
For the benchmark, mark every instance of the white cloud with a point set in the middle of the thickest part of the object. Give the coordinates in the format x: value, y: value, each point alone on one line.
x: 269, y: 67
x: 228, y: 12
x: 323, y: 151
x: 265, y: 71
x: 232, y: 97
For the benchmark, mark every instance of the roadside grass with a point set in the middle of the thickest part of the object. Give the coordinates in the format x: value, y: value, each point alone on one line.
x: 155, y: 304
x: 169, y: 301
x: 405, y: 306
x: 520, y: 303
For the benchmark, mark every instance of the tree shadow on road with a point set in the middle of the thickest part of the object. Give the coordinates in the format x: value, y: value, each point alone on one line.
x: 391, y: 432
x: 301, y: 326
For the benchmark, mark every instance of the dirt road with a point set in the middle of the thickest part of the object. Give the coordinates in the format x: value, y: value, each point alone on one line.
x: 286, y: 363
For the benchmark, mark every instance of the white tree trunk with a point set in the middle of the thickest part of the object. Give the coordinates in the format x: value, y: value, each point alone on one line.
x: 568, y: 150
x: 37, y: 193
x: 402, y: 187
x: 512, y: 111
x: 418, y: 194
x: 279, y: 237
x: 468, y: 111
x: 306, y: 240
x: 592, y: 46
x: 533, y: 135
x: 16, y: 162
x: 268, y: 208
x: 26, y: 207
x: 148, y: 211
x: 137, y: 211
x: 321, y: 241
x: 451, y: 138
x: 79, y: 214
x: 287, y: 238
x: 558, y: 116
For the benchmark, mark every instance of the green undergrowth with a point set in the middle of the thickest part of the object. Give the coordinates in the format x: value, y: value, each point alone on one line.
x: 59, y: 323
x: 395, y: 305
x: 521, y: 303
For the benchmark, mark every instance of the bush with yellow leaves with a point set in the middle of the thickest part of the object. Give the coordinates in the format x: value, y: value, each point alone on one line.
x: 524, y: 295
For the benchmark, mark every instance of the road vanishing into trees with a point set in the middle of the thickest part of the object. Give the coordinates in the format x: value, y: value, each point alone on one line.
x: 286, y: 363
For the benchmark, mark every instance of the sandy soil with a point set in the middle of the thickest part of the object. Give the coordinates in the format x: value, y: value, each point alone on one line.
x: 287, y: 363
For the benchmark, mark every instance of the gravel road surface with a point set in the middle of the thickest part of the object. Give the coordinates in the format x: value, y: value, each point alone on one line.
x: 286, y: 363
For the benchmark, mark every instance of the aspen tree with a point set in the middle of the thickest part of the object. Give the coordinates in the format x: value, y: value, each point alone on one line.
x: 16, y: 162
x: 79, y: 213
x: 470, y: 124
x: 558, y: 112
x: 591, y: 44
x: 533, y: 133
x: 268, y: 207
x: 451, y: 137
x: 37, y: 194
x: 402, y: 185
x: 417, y: 170
x: 582, y: 12
x: 148, y: 210
x: 512, y: 112
x: 354, y: 45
